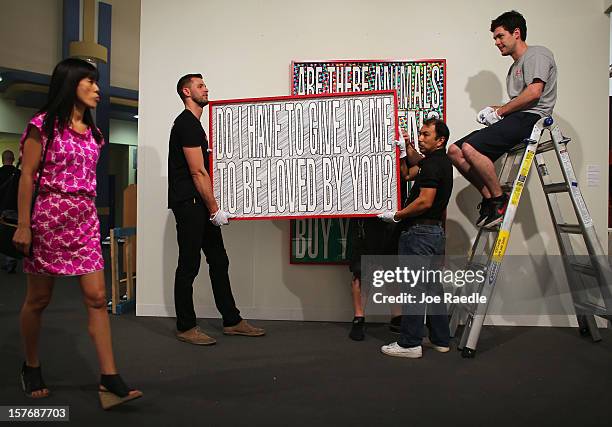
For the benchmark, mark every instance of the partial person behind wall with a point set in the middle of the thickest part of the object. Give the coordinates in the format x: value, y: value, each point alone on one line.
x: 8, y: 207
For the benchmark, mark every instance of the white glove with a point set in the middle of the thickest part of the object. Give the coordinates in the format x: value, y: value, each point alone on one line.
x: 221, y: 218
x: 491, y: 118
x: 480, y: 117
x: 388, y: 216
x: 402, y: 146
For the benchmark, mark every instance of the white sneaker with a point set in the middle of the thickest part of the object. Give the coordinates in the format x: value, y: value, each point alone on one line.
x: 395, y: 350
x: 438, y: 348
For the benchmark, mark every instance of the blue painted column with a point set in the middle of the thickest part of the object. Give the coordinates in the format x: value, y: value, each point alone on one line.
x: 71, y: 15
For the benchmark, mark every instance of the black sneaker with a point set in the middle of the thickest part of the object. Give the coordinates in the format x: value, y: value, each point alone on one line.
x: 395, y: 324
x: 358, y: 329
x: 498, y: 210
x: 485, y: 208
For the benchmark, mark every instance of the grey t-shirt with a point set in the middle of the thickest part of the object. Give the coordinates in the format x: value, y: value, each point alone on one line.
x: 536, y: 63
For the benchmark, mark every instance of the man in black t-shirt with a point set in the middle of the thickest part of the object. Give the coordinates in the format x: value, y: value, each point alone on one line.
x: 369, y: 236
x: 8, y: 202
x: 423, y: 239
x: 7, y: 169
x: 198, y: 218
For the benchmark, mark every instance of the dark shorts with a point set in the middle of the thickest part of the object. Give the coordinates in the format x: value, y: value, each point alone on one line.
x: 370, y: 236
x: 497, y: 139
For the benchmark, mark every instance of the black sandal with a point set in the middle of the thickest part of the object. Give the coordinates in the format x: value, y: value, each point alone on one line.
x: 31, y: 380
x: 113, y: 391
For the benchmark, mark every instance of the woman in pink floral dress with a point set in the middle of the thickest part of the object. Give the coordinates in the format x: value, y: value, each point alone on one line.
x: 61, y: 144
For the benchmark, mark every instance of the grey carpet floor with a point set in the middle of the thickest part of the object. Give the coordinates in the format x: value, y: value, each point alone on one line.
x: 308, y: 374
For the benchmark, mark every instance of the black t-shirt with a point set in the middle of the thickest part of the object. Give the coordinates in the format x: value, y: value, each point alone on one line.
x: 6, y: 172
x: 436, y: 171
x: 187, y: 131
x: 8, y: 191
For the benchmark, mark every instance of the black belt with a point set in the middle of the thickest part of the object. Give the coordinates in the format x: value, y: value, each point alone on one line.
x: 424, y: 221
x: 191, y: 201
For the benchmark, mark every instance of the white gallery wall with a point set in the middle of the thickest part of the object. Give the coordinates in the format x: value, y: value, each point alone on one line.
x: 244, y: 49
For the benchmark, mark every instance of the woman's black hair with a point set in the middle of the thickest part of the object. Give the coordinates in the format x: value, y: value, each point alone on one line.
x: 62, y: 96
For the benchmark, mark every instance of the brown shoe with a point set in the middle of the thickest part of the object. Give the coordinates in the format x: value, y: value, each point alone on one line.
x: 244, y: 328
x: 195, y: 336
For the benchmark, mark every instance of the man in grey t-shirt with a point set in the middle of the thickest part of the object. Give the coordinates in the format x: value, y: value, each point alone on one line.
x: 537, y: 65
x: 532, y: 87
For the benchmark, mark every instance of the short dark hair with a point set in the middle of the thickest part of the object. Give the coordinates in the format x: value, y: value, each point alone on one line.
x: 184, y: 82
x: 8, y: 156
x: 442, y: 130
x: 510, y: 21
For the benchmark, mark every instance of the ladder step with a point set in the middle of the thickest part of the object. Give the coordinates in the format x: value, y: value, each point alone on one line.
x: 545, y: 146
x: 476, y: 266
x: 519, y: 148
x: 558, y: 187
x: 584, y: 268
x: 493, y: 229
x: 549, y: 145
x: 570, y: 228
x: 593, y: 309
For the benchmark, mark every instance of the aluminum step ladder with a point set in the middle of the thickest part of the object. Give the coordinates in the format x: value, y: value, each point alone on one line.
x: 489, y: 259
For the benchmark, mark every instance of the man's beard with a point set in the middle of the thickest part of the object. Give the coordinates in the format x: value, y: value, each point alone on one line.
x: 201, y: 102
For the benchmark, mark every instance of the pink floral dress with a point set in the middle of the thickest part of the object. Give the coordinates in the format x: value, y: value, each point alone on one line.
x: 65, y: 226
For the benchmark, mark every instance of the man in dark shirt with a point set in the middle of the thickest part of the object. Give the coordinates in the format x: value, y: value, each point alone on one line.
x: 7, y: 169
x: 8, y: 203
x: 369, y: 236
x: 198, y: 218
x: 423, y: 238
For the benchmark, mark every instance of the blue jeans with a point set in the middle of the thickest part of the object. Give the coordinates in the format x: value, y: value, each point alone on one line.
x: 425, y: 244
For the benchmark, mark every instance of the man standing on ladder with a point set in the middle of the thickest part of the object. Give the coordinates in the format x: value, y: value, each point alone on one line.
x: 532, y: 88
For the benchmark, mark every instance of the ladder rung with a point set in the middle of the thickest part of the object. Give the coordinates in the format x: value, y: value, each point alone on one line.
x: 476, y: 266
x: 594, y: 309
x: 570, y: 228
x: 493, y: 229
x: 518, y: 148
x: 545, y: 146
x: 584, y: 268
x: 558, y: 187
x: 522, y: 145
